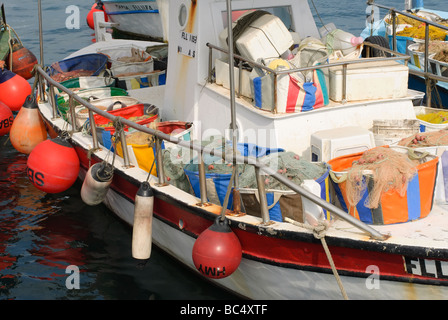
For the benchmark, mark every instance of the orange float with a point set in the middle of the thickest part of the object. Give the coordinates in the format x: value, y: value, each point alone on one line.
x: 53, y: 166
x: 6, y: 119
x: 97, y: 7
x: 13, y: 88
x: 28, y: 128
x: 23, y: 61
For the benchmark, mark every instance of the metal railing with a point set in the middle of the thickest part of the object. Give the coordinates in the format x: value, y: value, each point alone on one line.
x: 344, y: 64
x: 429, y: 77
x: 42, y: 77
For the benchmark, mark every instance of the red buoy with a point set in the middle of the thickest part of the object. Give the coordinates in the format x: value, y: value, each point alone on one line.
x: 23, y: 61
x: 13, y: 89
x: 53, y: 166
x: 98, y: 6
x: 28, y: 128
x: 6, y: 119
x: 217, y: 251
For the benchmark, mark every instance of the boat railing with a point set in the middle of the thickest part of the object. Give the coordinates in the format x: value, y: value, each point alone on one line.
x: 43, y: 79
x: 430, y: 77
x: 394, y: 56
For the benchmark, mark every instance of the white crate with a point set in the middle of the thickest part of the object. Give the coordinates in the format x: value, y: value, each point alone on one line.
x: 427, y: 126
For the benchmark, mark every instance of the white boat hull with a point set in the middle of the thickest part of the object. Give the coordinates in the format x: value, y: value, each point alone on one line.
x: 260, y: 281
x: 139, y: 18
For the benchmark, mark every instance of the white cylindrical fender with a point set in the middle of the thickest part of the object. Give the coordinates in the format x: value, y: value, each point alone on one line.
x: 142, y: 230
x: 312, y: 212
x: 96, y: 183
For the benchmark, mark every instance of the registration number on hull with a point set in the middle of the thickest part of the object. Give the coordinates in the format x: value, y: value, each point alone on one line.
x: 426, y: 267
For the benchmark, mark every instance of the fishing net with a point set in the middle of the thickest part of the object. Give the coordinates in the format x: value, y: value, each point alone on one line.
x: 434, y: 117
x: 176, y: 159
x: 426, y: 139
x: 419, y: 32
x: 289, y: 165
x: 379, y: 169
x: 173, y: 167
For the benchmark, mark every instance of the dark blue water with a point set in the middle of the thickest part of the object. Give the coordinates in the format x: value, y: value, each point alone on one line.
x: 42, y: 234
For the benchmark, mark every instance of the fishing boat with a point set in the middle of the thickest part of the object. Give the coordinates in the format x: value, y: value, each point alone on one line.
x: 138, y: 19
x: 280, y: 97
x: 406, y: 33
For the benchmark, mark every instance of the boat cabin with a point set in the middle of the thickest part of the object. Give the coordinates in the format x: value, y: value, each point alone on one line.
x: 198, y: 85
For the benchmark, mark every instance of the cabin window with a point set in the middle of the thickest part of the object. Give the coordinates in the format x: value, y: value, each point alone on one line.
x: 284, y: 13
x: 182, y: 16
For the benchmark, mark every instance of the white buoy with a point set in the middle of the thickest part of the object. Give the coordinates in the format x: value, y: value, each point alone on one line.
x: 312, y: 211
x: 142, y: 230
x: 96, y: 183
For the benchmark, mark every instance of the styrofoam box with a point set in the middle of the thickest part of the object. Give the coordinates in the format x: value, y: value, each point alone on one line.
x: 332, y: 143
x: 371, y: 80
x: 427, y: 126
x: 223, y: 78
x: 266, y: 37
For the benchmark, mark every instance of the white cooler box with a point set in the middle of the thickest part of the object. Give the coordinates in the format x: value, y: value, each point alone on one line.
x: 372, y: 80
x: 266, y: 37
x: 223, y: 78
x: 333, y: 143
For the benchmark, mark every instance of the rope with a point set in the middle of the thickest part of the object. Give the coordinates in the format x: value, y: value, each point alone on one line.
x: 9, y: 42
x: 319, y: 232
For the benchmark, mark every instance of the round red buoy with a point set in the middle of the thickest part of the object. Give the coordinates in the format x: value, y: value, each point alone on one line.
x: 13, y: 89
x: 98, y: 6
x: 53, y: 166
x: 23, y: 61
x: 6, y: 119
x: 217, y: 251
x: 28, y: 128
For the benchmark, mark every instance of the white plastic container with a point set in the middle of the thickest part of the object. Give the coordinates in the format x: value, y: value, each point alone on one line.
x: 427, y: 126
x: 223, y: 78
x: 418, y: 57
x: 340, y: 40
x: 266, y: 37
x: 389, y: 132
x: 372, y: 80
x: 332, y: 143
x: 437, y: 67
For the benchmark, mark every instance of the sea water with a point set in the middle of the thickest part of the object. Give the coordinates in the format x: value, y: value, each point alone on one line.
x: 55, y: 246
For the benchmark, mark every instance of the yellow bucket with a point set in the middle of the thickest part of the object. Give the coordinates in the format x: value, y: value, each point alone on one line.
x: 144, y: 154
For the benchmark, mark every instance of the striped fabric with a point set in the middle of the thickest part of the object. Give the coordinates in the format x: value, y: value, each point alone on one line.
x: 292, y: 94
